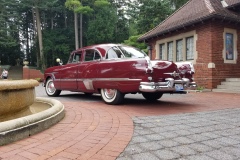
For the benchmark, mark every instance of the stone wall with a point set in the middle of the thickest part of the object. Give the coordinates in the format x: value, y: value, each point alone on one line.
x: 29, y: 73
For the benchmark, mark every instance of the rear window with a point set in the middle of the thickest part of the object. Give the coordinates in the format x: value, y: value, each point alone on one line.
x: 124, y: 52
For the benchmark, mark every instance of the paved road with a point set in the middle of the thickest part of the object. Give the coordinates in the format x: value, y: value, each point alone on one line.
x: 204, y: 136
x: 197, y: 136
x: 193, y: 126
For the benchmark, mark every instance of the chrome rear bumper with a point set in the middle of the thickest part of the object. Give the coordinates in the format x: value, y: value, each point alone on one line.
x: 170, y: 85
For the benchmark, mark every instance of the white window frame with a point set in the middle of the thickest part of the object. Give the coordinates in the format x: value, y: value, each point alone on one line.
x: 179, y: 53
x: 170, y: 52
x: 161, y: 51
x: 174, y: 39
x: 235, y: 53
x: 190, y: 56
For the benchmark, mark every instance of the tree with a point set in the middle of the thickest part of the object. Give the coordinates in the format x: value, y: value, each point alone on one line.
x: 9, y: 32
x: 178, y: 3
x: 121, y: 32
x: 74, y: 5
x: 38, y: 6
x: 45, y: 28
x: 102, y: 25
x: 132, y: 41
x: 7, y: 19
x: 83, y: 10
x: 151, y: 13
x: 59, y: 47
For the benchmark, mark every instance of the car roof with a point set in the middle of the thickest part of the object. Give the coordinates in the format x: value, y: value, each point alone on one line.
x: 103, y: 48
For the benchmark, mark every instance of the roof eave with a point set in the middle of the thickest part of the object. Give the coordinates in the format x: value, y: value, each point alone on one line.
x: 144, y: 39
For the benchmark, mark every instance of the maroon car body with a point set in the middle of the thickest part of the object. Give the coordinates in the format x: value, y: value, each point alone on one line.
x: 115, y: 70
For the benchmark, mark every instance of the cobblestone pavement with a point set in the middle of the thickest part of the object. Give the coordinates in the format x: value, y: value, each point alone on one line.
x: 211, y: 135
x: 193, y: 126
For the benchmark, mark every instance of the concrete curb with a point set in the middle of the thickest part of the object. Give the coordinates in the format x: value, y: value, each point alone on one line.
x: 23, y: 127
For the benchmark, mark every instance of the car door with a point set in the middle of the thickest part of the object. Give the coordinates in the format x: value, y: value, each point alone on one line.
x: 88, y: 70
x: 120, y: 72
x: 70, y: 72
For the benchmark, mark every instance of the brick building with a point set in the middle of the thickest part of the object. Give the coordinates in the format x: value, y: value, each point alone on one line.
x: 204, y: 32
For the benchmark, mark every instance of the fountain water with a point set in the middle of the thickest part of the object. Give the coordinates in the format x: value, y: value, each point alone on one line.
x: 22, y: 114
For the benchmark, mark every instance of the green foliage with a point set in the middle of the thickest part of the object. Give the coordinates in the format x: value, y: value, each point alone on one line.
x: 102, y: 27
x: 84, y: 10
x: 151, y: 13
x: 200, y: 88
x: 178, y: 3
x: 59, y: 47
x: 132, y: 41
x: 104, y: 21
x: 8, y: 24
x: 101, y: 3
x: 72, y: 4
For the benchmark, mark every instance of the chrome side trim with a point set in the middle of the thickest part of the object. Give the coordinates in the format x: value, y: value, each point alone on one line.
x: 88, y: 84
x: 99, y: 79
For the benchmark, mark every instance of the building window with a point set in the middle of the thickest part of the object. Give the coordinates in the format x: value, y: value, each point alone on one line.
x: 179, y: 50
x: 230, y: 43
x: 170, y: 51
x: 189, y: 48
x: 229, y: 46
x: 161, y: 51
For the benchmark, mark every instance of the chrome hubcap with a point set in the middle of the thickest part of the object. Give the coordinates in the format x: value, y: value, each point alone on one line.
x: 51, y: 88
x: 109, y: 93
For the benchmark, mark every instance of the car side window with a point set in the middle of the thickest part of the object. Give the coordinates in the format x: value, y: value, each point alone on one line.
x: 91, y: 55
x: 75, y: 57
x: 96, y: 56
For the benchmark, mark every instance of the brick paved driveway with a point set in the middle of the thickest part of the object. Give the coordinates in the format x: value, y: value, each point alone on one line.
x: 94, y: 130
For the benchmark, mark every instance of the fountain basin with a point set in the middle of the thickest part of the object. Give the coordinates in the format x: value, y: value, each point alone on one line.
x: 22, y: 114
x: 16, y: 95
x: 19, y: 128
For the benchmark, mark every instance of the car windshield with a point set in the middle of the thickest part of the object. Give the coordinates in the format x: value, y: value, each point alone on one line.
x: 125, y: 52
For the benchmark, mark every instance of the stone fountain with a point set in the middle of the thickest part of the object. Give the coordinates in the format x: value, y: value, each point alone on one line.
x: 22, y: 114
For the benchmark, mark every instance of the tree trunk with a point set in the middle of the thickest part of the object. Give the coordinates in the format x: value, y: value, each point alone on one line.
x: 39, y: 31
x: 81, y: 37
x: 27, y: 47
x: 76, y: 30
x: 34, y: 35
x: 52, y: 21
x: 65, y: 17
x: 44, y: 21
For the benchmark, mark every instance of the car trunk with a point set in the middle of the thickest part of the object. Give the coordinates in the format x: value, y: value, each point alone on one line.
x: 163, y: 70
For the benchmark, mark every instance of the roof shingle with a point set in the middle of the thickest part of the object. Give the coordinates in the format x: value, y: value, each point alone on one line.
x: 193, y: 11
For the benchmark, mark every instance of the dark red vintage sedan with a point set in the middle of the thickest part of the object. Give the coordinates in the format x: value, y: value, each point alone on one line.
x: 114, y: 70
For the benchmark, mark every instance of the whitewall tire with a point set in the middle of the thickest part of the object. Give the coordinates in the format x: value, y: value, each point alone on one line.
x: 112, y: 96
x: 50, y: 89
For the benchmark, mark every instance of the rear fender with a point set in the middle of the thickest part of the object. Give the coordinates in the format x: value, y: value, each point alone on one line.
x: 163, y: 70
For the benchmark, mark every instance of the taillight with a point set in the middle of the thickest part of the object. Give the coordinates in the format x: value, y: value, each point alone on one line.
x: 149, y: 68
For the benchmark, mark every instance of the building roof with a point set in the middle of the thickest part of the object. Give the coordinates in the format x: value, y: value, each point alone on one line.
x: 194, y: 11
